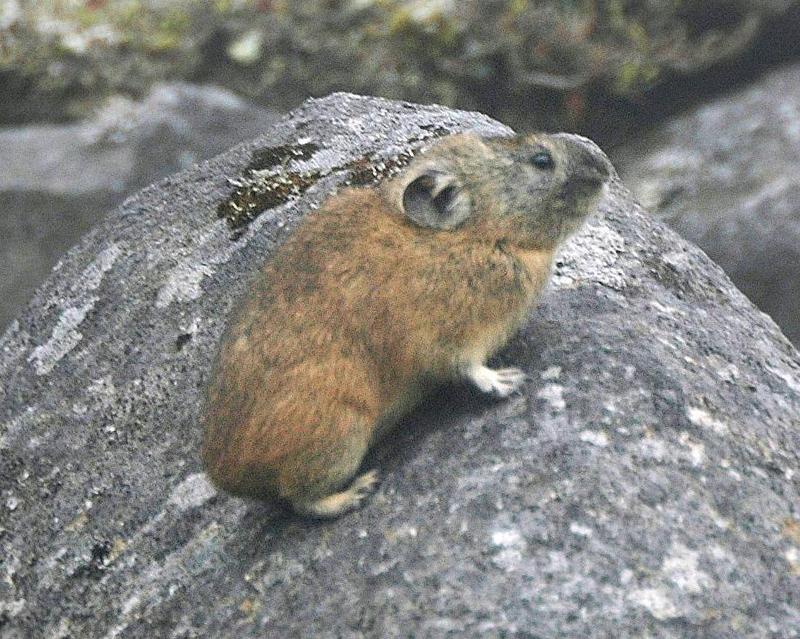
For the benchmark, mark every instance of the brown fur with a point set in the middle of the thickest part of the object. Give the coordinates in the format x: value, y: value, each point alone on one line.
x: 356, y: 316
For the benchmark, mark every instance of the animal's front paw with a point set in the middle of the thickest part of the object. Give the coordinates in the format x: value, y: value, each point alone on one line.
x: 500, y: 383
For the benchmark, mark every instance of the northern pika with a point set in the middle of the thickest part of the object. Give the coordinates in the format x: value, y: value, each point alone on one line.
x: 376, y: 298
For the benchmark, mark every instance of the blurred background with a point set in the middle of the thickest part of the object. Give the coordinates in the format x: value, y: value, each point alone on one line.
x: 697, y: 102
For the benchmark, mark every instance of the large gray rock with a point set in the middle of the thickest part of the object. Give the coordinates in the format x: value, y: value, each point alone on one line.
x: 645, y: 483
x: 56, y: 181
x: 725, y: 176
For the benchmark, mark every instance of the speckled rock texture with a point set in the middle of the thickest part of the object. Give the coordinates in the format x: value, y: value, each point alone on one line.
x: 644, y: 484
x: 56, y: 181
x: 725, y: 176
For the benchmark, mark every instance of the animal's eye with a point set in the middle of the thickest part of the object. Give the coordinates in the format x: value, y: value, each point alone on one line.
x: 542, y: 160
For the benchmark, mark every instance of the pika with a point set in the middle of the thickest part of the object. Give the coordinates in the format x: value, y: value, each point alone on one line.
x: 379, y: 296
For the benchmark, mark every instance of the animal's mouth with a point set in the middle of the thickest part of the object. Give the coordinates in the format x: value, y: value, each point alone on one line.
x: 584, y: 186
x: 592, y: 175
x: 590, y: 180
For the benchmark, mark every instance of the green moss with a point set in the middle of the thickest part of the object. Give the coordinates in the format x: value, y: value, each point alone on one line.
x: 437, y: 35
x: 517, y: 7
x: 129, y: 15
x: 616, y: 14
x: 632, y: 77
x: 176, y: 22
x: 399, y: 21
x: 170, y: 32
x: 639, y: 36
x: 86, y: 17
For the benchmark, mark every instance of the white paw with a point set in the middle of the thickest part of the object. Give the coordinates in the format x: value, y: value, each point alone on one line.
x: 500, y: 383
x: 361, y: 488
x: 339, y: 503
x: 364, y: 484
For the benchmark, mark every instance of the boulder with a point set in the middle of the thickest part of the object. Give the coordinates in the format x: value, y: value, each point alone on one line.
x: 724, y: 175
x: 644, y: 483
x: 58, y: 180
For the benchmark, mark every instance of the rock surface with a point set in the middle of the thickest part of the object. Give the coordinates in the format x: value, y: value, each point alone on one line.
x: 56, y: 181
x: 645, y: 483
x: 725, y: 176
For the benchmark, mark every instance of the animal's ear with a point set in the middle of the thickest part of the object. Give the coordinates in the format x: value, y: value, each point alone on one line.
x: 434, y: 199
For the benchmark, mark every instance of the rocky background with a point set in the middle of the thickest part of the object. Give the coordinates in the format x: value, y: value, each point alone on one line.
x: 726, y: 175
x: 533, y: 63
x: 100, y: 98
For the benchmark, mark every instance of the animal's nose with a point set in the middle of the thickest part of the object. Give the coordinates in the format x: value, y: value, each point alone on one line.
x: 590, y: 165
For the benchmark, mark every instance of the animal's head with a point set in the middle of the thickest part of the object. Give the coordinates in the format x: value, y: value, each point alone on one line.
x: 532, y: 190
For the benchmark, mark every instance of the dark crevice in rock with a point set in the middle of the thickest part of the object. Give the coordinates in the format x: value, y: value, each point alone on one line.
x: 270, y: 181
x: 271, y: 157
x: 182, y: 340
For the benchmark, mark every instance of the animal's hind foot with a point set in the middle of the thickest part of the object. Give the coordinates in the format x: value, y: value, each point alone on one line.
x: 339, y: 503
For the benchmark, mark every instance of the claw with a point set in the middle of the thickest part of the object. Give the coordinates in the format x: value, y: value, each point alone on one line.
x: 502, y: 382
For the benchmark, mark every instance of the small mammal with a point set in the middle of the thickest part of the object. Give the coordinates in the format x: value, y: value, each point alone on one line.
x: 378, y: 296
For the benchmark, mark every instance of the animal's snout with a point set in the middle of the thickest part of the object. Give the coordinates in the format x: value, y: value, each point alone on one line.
x: 590, y: 166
